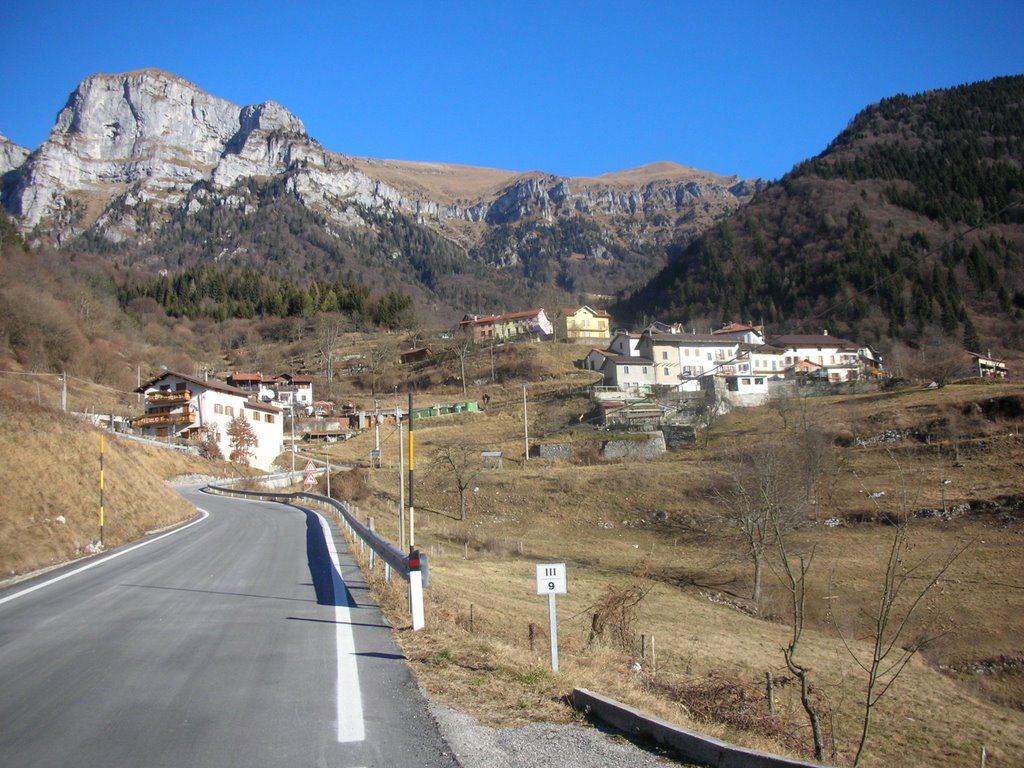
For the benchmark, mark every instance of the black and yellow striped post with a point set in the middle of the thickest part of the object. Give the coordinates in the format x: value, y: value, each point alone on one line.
x: 412, y: 469
x: 101, y: 489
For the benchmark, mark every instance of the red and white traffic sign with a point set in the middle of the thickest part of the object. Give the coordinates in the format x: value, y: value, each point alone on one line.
x: 310, y: 466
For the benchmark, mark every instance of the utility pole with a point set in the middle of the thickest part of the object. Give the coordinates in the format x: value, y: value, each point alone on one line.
x: 401, y: 482
x: 526, y: 431
x: 412, y: 467
x: 376, y: 434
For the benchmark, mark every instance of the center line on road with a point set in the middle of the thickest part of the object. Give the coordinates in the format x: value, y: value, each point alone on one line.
x: 350, y: 701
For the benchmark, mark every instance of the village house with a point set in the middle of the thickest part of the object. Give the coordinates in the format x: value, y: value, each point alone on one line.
x: 736, y: 356
x: 835, y: 360
x: 530, y: 324
x: 415, y: 355
x: 480, y: 328
x: 253, y: 383
x: 681, y: 359
x: 988, y: 367
x: 183, y: 407
x: 624, y: 343
x: 626, y: 373
x: 295, y: 389
x: 584, y: 325
x: 287, y: 389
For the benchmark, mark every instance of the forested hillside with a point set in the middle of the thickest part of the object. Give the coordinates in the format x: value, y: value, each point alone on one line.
x: 907, y: 230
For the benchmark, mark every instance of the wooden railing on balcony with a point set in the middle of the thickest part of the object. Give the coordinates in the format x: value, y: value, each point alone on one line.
x: 169, y: 398
x: 164, y: 419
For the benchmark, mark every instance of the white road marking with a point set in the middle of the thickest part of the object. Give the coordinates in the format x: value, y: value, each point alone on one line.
x: 350, y: 700
x: 101, y: 560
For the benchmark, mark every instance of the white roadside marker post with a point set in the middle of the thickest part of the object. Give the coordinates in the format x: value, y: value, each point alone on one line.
x: 415, y: 590
x: 551, y: 581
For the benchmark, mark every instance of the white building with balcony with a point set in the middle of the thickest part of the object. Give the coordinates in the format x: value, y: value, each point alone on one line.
x: 184, y: 408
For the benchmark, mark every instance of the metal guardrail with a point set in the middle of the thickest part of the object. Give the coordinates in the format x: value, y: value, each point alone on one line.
x: 389, y: 553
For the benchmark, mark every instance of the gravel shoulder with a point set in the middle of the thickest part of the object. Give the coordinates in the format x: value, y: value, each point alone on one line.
x: 539, y: 745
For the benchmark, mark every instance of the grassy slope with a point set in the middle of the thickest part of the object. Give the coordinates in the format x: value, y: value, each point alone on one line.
x: 50, y: 470
x: 601, y: 519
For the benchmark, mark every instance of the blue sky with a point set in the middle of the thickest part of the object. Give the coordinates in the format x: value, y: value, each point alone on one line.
x: 570, y: 88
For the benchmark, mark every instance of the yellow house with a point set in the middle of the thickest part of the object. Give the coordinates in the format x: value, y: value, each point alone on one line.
x: 584, y: 325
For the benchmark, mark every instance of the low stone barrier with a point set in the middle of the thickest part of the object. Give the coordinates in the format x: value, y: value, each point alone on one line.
x: 688, y: 745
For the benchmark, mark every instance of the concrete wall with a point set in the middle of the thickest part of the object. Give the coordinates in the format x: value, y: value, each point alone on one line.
x: 678, y: 435
x: 561, y: 451
x: 648, y: 447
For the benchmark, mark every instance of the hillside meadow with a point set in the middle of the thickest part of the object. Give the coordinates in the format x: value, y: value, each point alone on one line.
x: 658, y: 611
x: 653, y: 565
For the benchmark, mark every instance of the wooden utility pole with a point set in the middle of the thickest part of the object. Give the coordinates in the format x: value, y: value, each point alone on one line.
x: 526, y: 431
x: 412, y: 468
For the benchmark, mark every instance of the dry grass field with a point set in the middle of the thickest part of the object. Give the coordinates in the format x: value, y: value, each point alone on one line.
x: 648, y: 553
x: 50, y: 475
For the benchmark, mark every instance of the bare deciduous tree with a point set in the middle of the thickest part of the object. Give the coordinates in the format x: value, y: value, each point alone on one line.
x: 460, y: 350
x: 328, y: 334
x: 709, y: 412
x: 461, y: 464
x: 903, y: 589
x: 378, y: 360
x: 793, y: 575
x: 763, y: 496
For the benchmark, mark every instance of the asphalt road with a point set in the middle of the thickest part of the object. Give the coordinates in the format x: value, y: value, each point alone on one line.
x: 233, y: 642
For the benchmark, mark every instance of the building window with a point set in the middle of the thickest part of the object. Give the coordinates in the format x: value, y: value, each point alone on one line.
x: 255, y: 416
x: 269, y: 418
x: 645, y: 370
x: 625, y: 369
x: 229, y: 410
x: 664, y: 354
x: 218, y: 408
x: 666, y: 370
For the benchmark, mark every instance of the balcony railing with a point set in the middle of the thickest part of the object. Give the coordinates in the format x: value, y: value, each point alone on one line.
x: 169, y: 398
x: 164, y: 419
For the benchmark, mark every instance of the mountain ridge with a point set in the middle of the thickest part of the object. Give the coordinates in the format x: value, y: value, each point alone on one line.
x: 907, y: 230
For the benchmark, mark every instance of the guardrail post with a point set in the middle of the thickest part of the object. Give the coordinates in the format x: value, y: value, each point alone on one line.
x: 415, y: 590
x: 373, y: 554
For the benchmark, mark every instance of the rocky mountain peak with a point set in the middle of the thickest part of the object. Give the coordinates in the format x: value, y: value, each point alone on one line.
x: 11, y: 155
x: 146, y: 130
x: 130, y: 152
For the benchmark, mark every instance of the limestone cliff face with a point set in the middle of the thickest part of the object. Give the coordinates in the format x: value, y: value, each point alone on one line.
x: 11, y: 155
x: 149, y: 132
x: 127, y: 150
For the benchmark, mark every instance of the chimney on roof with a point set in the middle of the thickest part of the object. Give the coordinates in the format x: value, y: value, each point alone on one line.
x: 825, y: 332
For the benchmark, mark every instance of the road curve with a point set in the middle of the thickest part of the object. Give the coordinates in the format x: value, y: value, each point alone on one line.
x: 245, y: 639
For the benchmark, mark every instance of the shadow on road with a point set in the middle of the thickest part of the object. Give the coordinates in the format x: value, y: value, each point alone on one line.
x: 321, y: 569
